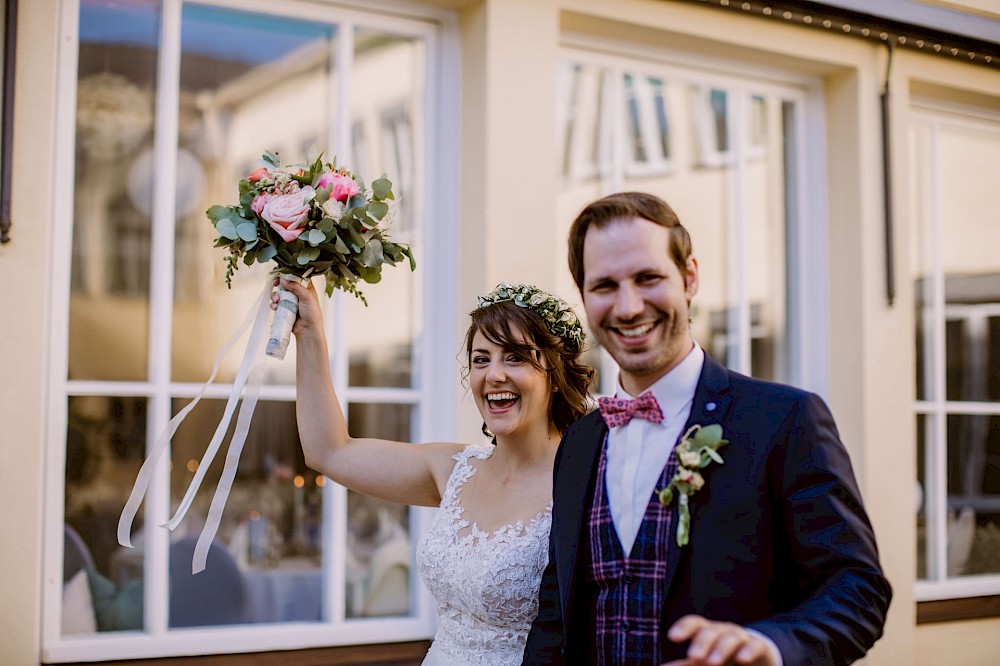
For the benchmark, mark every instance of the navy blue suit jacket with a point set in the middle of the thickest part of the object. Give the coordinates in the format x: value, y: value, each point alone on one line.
x: 779, y: 540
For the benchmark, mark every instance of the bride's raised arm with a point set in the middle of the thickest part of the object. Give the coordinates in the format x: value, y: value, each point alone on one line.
x: 396, y: 471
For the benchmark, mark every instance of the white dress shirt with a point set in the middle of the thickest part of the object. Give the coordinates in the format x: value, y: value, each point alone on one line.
x: 638, y: 451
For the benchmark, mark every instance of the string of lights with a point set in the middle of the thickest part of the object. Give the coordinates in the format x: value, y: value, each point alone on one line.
x: 869, y: 27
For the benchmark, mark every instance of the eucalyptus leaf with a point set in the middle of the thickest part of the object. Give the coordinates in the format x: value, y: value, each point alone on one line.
x: 346, y: 272
x: 307, y: 255
x: 372, y: 256
x: 371, y: 275
x: 666, y: 496
x: 247, y: 231
x: 216, y: 213
x: 709, y: 435
x: 266, y: 253
x: 711, y: 453
x: 315, y: 237
x: 378, y: 209
x: 226, y: 228
x: 341, y: 246
x: 356, y: 238
x: 381, y: 188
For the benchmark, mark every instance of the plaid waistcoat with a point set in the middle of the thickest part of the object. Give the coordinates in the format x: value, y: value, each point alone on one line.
x: 626, y: 593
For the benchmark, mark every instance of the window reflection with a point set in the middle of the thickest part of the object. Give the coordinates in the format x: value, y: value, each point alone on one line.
x: 386, y: 123
x: 378, y: 540
x: 676, y: 142
x: 973, y: 494
x: 957, y: 338
x: 268, y: 550
x: 102, y: 582
x: 116, y: 88
x: 232, y: 91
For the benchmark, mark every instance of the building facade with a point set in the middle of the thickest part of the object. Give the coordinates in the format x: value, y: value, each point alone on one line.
x: 834, y: 162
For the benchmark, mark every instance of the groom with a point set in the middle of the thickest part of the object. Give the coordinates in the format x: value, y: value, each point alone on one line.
x: 780, y: 566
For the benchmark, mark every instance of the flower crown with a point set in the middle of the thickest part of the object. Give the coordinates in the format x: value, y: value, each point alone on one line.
x: 556, y: 313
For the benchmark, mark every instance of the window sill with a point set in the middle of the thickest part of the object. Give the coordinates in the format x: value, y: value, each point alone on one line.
x: 384, y: 654
x: 954, y: 610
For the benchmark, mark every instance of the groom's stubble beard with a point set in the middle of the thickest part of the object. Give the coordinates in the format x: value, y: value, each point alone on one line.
x: 643, y: 367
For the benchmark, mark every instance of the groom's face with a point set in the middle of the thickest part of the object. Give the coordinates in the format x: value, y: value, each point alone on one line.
x: 636, y: 299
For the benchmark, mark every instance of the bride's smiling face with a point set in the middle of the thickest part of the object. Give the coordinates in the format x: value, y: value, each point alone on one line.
x: 512, y: 393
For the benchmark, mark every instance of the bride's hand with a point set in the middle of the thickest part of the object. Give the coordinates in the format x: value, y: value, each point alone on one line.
x: 310, y: 314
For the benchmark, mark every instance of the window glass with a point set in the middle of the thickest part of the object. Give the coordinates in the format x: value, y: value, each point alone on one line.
x: 387, y: 119
x: 115, y: 116
x: 103, y: 582
x: 248, y: 83
x: 379, y: 541
x: 265, y: 562
x: 676, y: 140
x: 924, y: 524
x: 957, y: 294
x: 973, y: 514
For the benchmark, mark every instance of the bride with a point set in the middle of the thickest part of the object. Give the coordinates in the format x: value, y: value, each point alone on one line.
x: 483, y: 554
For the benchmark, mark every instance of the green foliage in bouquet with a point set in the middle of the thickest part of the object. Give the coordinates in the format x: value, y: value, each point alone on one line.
x: 310, y: 219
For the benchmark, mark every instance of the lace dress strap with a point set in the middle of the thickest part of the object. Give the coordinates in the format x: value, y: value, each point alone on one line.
x: 461, y: 473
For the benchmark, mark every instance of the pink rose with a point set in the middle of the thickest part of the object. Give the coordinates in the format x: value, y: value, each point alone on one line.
x: 258, y: 202
x: 341, y: 187
x: 258, y: 174
x: 287, y: 214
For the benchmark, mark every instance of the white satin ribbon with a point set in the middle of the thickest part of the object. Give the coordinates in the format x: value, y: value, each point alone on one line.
x: 252, y: 365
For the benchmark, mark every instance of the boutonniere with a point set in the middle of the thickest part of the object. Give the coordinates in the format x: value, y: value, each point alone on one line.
x: 697, y: 449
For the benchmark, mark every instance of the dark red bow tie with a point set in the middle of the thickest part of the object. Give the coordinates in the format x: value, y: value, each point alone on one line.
x: 619, y: 411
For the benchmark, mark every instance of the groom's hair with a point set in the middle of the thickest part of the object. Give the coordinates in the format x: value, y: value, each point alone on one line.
x: 624, y: 206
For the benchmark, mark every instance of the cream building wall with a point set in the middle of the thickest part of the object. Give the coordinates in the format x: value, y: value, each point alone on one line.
x: 507, y: 231
x: 24, y: 263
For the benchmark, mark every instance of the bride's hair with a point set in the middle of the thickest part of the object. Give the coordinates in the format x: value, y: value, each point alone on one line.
x: 522, y: 331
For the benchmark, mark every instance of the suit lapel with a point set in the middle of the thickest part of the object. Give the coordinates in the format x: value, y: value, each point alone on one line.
x: 711, y: 404
x: 572, y: 499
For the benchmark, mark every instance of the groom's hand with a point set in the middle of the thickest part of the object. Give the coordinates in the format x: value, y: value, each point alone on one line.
x: 718, y: 644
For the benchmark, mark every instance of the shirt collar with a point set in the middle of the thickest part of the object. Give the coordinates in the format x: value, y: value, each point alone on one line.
x: 675, y: 390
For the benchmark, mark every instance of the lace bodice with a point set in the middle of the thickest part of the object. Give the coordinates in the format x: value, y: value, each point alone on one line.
x: 485, y: 585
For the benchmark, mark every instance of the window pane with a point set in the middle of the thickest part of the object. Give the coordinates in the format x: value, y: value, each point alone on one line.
x: 973, y: 494
x: 103, y: 582
x: 647, y: 152
x: 924, y: 527
x: 116, y: 89
x: 387, y: 120
x: 379, y: 539
x: 248, y: 83
x: 920, y: 254
x: 970, y: 235
x: 265, y: 563
x: 584, y: 121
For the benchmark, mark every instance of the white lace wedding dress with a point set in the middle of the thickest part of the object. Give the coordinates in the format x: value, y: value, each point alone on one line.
x: 486, y: 586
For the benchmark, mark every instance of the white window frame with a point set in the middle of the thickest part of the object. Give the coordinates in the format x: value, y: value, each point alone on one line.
x: 806, y: 271
x: 436, y: 370
x: 936, y: 408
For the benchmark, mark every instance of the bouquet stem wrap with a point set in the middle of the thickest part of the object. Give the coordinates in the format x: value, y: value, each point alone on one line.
x: 248, y: 381
x: 284, y: 319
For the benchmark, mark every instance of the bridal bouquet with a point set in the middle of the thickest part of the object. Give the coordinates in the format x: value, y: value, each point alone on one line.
x: 310, y: 219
